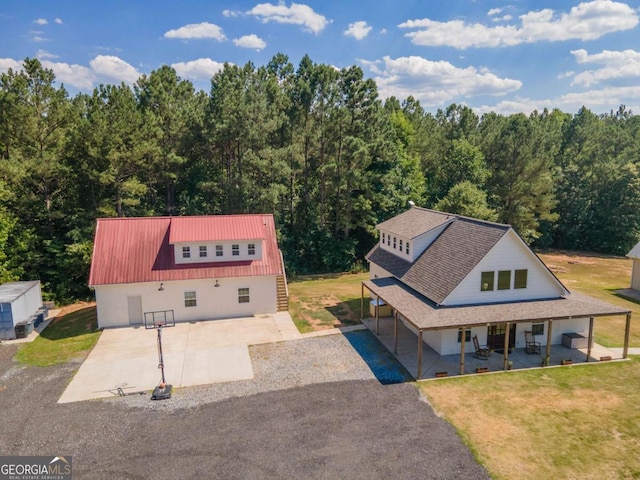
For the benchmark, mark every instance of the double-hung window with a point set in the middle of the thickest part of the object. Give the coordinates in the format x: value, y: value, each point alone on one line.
x: 186, y: 252
x: 235, y: 249
x: 219, y: 250
x: 243, y: 295
x: 203, y: 251
x: 190, y: 299
x: 251, y: 249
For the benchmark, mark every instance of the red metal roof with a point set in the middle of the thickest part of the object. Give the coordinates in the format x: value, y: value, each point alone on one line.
x: 132, y: 250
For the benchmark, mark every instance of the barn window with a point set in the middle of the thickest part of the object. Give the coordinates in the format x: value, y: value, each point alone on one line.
x: 190, y: 299
x: 251, y: 249
x: 243, y: 295
x: 186, y: 252
x: 486, y: 281
x: 203, y: 250
x: 407, y: 248
x: 235, y: 250
x: 219, y: 250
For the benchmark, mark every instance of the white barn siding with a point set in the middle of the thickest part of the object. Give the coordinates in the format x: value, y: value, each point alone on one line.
x: 212, y: 302
x: 421, y: 242
x: 510, y: 253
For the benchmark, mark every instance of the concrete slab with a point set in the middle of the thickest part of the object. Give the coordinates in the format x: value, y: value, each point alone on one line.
x: 195, y: 353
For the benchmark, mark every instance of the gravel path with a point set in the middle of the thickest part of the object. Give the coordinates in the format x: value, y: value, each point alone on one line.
x: 325, y: 408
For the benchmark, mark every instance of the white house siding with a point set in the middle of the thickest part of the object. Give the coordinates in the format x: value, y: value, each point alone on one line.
x: 635, y: 274
x: 376, y: 271
x: 212, y: 302
x: 421, y: 242
x: 510, y: 253
x: 211, y: 252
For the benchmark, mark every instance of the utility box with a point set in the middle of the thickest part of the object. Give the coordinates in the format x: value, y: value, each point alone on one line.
x: 19, y: 301
x: 384, y: 310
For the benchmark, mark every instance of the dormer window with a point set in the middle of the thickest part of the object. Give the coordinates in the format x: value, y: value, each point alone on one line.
x: 407, y: 248
x: 219, y: 250
x: 394, y: 243
x: 389, y: 240
x: 235, y: 250
x: 383, y: 238
x: 203, y: 251
x: 251, y: 249
x: 400, y: 245
x: 186, y: 252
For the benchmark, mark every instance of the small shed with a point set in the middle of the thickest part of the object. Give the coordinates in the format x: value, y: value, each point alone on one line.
x: 19, y: 302
x: 634, y: 255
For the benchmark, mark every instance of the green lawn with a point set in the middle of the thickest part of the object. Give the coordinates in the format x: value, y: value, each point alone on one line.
x: 319, y: 302
x: 66, y: 337
x: 570, y: 422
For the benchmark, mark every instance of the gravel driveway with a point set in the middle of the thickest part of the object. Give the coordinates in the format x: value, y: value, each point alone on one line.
x: 329, y: 407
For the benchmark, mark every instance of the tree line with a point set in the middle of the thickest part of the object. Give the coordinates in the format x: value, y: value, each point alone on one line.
x: 311, y: 144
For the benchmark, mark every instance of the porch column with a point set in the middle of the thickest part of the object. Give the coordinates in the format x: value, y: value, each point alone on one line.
x: 361, y: 301
x: 627, y: 330
x: 419, y: 354
x: 463, y: 331
x: 395, y: 331
x: 547, y: 357
x: 506, y: 345
x: 377, y: 315
x: 590, y: 341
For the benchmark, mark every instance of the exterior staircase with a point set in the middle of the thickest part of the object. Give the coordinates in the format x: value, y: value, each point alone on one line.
x: 283, y: 294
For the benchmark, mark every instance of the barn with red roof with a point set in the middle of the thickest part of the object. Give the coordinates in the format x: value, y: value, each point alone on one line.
x: 201, y: 267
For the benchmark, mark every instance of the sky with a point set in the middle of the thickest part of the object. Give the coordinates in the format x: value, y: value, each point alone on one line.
x: 491, y: 55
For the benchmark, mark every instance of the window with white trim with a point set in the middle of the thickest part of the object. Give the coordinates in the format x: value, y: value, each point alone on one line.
x: 203, y: 251
x: 537, y: 329
x: 251, y: 249
x: 467, y: 335
x: 243, y: 295
x: 394, y: 243
x: 190, y: 299
x: 186, y: 252
x: 219, y: 250
x: 520, y: 279
x: 400, y: 245
x: 407, y: 248
x: 235, y: 249
x: 383, y: 238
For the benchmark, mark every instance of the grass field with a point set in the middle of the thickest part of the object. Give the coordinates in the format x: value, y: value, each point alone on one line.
x: 320, y: 302
x: 579, y: 422
x: 69, y: 335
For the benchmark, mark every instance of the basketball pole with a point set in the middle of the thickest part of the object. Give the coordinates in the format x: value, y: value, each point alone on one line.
x: 162, y: 391
x: 161, y: 357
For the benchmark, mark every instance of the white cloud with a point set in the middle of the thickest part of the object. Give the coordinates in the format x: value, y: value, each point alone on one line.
x: 9, y: 63
x: 197, y: 30
x: 358, y: 30
x: 494, y: 11
x: 58, y: 21
x: 586, y: 21
x: 250, y: 41
x: 435, y: 83
x: 43, y: 54
x: 39, y: 39
x: 77, y: 76
x: 383, y: 31
x: 615, y: 65
x: 296, y: 14
x: 230, y: 13
x: 40, y: 21
x: 202, y: 68
x: 114, y: 68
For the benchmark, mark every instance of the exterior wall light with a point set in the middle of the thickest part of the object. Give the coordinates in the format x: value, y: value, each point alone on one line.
x: 161, y: 289
x: 217, y: 284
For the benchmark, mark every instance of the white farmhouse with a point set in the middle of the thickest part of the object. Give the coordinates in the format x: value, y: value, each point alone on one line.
x: 450, y: 278
x: 201, y: 267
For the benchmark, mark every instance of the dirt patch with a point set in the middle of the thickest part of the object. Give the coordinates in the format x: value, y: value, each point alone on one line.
x: 327, y: 312
x: 74, y: 307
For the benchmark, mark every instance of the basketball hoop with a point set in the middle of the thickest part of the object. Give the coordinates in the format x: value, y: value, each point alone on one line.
x: 158, y: 321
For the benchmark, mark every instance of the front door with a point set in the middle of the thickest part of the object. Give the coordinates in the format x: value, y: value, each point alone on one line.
x: 495, y: 337
x: 135, y: 310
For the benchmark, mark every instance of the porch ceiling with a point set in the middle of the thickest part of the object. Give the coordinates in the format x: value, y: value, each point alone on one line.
x: 424, y: 315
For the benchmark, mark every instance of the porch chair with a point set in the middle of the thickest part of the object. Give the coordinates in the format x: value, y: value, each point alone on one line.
x: 482, y: 351
x: 530, y: 344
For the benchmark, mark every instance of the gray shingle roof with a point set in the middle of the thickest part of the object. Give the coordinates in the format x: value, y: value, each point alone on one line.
x: 447, y: 261
x: 425, y: 315
x: 415, y: 222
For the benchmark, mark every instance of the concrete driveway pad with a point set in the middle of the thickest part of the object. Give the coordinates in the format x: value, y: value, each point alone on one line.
x: 195, y: 353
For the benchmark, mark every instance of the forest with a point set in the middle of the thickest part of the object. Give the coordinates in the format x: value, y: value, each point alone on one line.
x: 314, y: 145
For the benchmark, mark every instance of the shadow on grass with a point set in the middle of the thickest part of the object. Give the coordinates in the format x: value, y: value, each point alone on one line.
x: 347, y: 313
x: 73, y: 324
x: 382, y: 363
